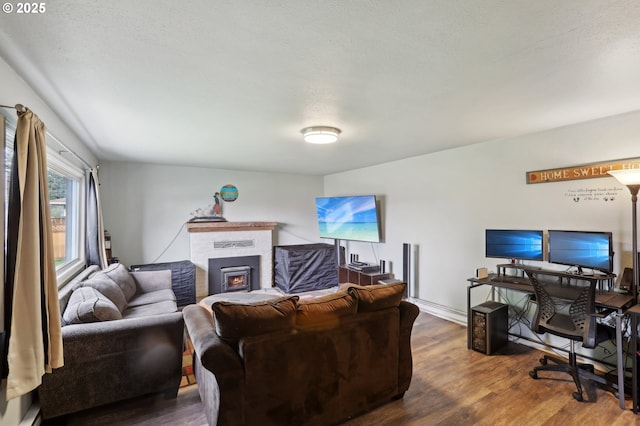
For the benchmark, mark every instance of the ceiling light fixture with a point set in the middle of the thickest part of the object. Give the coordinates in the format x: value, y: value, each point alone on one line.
x: 320, y: 134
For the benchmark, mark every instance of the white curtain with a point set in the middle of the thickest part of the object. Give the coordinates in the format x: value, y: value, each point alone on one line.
x: 31, y: 292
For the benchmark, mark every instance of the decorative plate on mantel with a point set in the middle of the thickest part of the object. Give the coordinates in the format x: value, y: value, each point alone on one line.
x: 207, y: 219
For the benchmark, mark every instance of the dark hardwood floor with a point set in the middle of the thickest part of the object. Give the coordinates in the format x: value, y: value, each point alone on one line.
x: 451, y: 386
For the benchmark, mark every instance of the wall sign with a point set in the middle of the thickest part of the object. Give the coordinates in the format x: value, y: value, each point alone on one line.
x: 587, y: 171
x: 598, y: 194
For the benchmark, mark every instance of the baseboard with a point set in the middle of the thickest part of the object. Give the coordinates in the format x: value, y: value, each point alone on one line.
x: 440, y: 311
x: 32, y: 417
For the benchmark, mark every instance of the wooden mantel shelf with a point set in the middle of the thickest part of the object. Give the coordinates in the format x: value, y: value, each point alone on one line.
x: 230, y: 226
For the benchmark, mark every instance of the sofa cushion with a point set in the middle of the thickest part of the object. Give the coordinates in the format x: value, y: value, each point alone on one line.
x: 325, y: 311
x: 151, y: 309
x: 142, y: 299
x: 378, y: 296
x: 235, y: 320
x: 107, y: 287
x: 119, y: 274
x: 64, y: 292
x: 86, y: 304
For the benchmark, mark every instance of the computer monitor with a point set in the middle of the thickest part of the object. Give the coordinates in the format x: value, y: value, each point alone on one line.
x: 516, y: 244
x: 582, y: 249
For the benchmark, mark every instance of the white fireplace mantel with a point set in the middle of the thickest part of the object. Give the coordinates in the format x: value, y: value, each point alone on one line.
x: 208, y: 240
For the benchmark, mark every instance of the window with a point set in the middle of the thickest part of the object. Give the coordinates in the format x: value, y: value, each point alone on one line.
x: 66, y: 204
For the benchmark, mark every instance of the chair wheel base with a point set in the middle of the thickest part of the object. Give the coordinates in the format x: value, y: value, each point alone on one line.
x: 543, y: 361
x: 533, y: 374
x: 578, y: 396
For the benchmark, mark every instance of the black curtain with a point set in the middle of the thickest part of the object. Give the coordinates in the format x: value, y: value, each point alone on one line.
x: 92, y: 235
x: 13, y: 219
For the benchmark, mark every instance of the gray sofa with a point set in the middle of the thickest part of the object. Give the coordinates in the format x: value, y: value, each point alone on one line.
x: 122, y: 337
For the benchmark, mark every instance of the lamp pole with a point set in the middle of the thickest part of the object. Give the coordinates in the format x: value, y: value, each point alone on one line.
x: 631, y: 179
x: 634, y: 238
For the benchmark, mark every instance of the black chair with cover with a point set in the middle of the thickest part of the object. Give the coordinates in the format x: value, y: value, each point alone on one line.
x: 568, y: 310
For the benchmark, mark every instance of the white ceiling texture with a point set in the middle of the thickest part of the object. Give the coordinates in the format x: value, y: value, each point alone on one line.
x: 229, y: 84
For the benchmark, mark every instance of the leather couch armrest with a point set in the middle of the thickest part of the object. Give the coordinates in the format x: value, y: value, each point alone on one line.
x: 147, y: 281
x: 408, y: 314
x: 225, y: 381
x: 215, y: 354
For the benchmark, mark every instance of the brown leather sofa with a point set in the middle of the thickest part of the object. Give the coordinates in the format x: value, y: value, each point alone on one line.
x: 313, y: 361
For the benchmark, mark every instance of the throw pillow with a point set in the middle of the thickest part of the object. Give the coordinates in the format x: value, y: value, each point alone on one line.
x: 119, y: 274
x: 378, y: 296
x: 235, y: 320
x: 325, y: 311
x: 108, y: 288
x: 86, y: 304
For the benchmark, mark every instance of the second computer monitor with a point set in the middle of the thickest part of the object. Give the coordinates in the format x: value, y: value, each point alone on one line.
x: 582, y: 249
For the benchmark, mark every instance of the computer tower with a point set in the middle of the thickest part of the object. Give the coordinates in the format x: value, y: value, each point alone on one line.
x: 489, y: 327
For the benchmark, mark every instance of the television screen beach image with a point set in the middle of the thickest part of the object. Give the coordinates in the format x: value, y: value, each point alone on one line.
x: 348, y: 218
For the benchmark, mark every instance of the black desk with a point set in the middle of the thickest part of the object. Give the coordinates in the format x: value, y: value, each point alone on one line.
x: 610, y: 300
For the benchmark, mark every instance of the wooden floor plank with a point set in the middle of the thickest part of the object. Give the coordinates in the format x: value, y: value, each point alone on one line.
x: 451, y: 385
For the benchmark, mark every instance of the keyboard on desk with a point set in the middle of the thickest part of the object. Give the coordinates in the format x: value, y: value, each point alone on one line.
x: 509, y: 279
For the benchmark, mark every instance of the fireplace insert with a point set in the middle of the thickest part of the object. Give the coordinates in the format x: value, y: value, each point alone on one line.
x: 241, y: 273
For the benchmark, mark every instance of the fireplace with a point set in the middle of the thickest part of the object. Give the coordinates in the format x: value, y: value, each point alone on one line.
x: 235, y: 278
x: 228, y: 274
x: 214, y: 240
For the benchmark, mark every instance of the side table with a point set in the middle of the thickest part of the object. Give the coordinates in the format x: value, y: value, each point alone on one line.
x: 348, y: 275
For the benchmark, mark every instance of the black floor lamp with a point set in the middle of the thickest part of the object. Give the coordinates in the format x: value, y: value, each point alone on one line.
x: 631, y: 179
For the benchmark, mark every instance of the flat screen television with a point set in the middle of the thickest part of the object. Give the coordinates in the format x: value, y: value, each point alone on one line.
x: 582, y: 249
x: 349, y: 218
x: 517, y: 244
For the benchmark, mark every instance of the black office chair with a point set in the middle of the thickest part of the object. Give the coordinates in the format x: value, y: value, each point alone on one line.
x: 578, y: 325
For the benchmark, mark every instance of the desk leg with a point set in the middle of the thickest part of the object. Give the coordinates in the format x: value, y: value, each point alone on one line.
x: 469, y: 316
x: 634, y: 362
x: 619, y: 358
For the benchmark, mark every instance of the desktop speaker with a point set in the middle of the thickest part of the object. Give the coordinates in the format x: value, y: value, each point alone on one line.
x: 489, y: 327
x: 482, y: 273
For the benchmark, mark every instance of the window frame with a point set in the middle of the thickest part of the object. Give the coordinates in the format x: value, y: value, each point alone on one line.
x: 58, y: 164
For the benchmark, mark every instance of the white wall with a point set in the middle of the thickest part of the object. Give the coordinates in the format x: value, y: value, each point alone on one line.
x: 16, y: 91
x: 443, y: 202
x: 145, y: 206
x: 440, y: 203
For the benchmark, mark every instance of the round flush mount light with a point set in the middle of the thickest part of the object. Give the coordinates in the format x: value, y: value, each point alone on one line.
x: 320, y: 134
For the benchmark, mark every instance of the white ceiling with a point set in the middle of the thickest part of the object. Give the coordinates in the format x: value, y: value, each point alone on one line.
x: 229, y: 84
